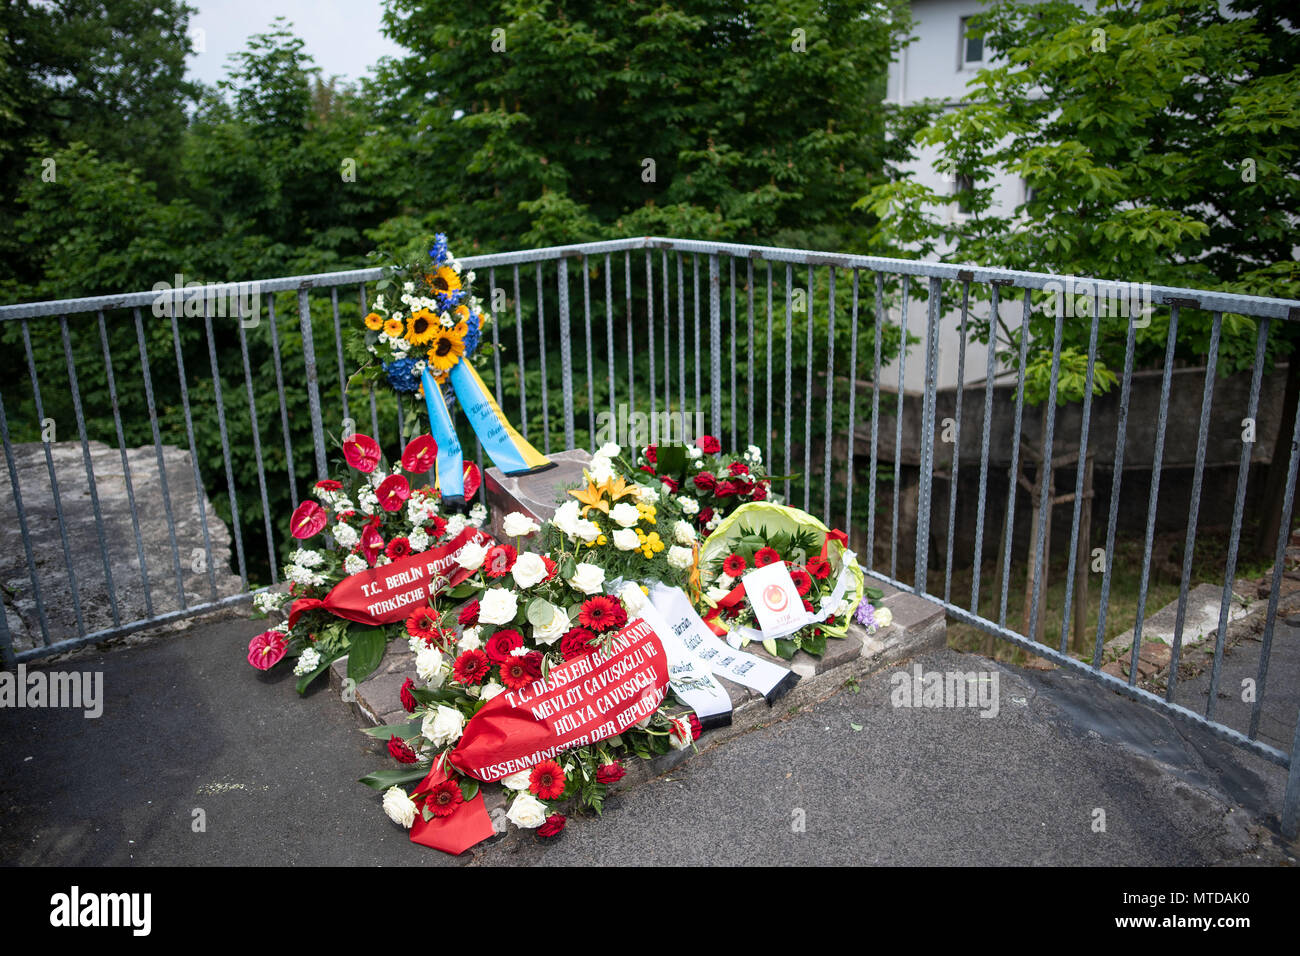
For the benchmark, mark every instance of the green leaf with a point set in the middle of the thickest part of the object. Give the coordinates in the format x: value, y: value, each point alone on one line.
x: 405, y: 731
x: 365, y: 651
x: 383, y: 779
x: 540, y: 612
x: 670, y: 459
x: 468, y: 788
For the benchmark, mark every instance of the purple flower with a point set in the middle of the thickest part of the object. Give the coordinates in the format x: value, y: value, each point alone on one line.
x: 865, y: 614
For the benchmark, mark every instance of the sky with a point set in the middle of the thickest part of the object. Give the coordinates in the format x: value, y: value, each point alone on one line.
x: 342, y: 36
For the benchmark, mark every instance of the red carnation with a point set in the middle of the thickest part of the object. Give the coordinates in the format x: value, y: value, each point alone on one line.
x: 670, y: 483
x: 409, y: 702
x: 400, y: 750
x: 738, y: 468
x: 696, y: 729
x: 471, y: 668
x: 398, y: 548
x: 652, y: 454
x: 468, y: 615
x: 553, y: 826
x: 420, y: 454
x: 444, y: 798
x: 547, y: 780
x: 500, y: 559
x: 500, y: 644
x: 819, y: 568
x: 393, y: 492
x: 802, y: 582
x: 328, y: 484
x: 709, y: 445
x: 361, y: 452
x: 308, y: 519
x: 518, y: 672
x: 266, y: 650
x: 576, y: 643
x: 610, y: 772
x: 734, y: 565
x: 765, y: 556
x: 705, y: 481
x: 602, y: 613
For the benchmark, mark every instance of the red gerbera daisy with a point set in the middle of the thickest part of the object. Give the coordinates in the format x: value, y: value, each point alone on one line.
x: 547, y: 780
x: 734, y: 565
x: 436, y: 527
x: 766, y: 556
x: 444, y: 798
x: 400, y: 750
x: 500, y: 559
x: 802, y: 582
x: 423, y: 623
x: 601, y: 613
x: 471, y: 668
x: 819, y: 568
x: 521, y: 671
x: 398, y: 548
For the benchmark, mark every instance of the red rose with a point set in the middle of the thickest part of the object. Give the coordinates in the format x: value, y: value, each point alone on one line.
x: 308, y: 519
x: 819, y: 568
x: 266, y: 650
x: 726, y: 489
x: 445, y: 798
x: 652, y: 454
x: 705, y: 516
x: 500, y: 559
x: 471, y: 668
x: 420, y: 454
x: 610, y: 772
x: 709, y: 445
x: 398, y: 548
x: 328, y: 484
x: 705, y: 481
x: 576, y: 643
x: 670, y: 483
x: 602, y: 613
x: 760, y: 491
x: 400, y: 751
x: 553, y: 826
x: 738, y: 468
x: 547, y: 780
x: 696, y: 729
x: 648, y: 469
x: 361, y: 452
x: 802, y: 582
x: 500, y: 644
x: 393, y: 492
x: 765, y: 556
x: 409, y: 702
x: 468, y: 616
x: 734, y: 565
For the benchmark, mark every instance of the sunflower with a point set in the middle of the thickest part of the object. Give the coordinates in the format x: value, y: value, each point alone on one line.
x: 422, y: 328
x: 444, y: 280
x: 448, y: 345
x: 394, y: 328
x: 374, y: 321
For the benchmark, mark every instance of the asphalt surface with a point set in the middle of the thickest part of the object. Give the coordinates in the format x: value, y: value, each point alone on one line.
x: 188, y: 726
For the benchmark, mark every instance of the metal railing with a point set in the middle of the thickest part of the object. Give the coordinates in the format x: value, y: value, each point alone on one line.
x: 643, y: 323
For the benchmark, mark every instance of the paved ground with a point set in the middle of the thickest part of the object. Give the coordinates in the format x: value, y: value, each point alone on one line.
x: 187, y: 725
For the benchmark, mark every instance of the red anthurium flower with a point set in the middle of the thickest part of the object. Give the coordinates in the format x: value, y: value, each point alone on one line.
x: 705, y: 481
x: 420, y: 454
x: 765, y: 556
x: 610, y: 772
x: 802, y: 581
x: 709, y: 445
x: 361, y: 452
x: 445, y: 798
x: 500, y: 559
x: 576, y: 643
x: 601, y: 613
x: 400, y: 750
x: 393, y: 492
x: 398, y: 548
x: 500, y: 644
x: 267, y: 649
x: 471, y: 668
x: 553, y: 826
x: 468, y: 615
x: 472, y: 479
x: 372, y: 542
x: 408, y: 699
x: 819, y: 568
x: 547, y: 780
x: 308, y: 519
x: 734, y: 565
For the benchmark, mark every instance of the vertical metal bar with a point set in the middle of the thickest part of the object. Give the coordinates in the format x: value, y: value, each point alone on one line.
x: 898, y: 428
x: 163, y: 485
x: 1291, y: 799
x: 1045, y: 480
x: 990, y: 372
x: 519, y: 357
x: 925, y: 487
x: 695, y: 274
x: 225, y: 446
x: 668, y: 338
x: 807, y: 398
x: 1193, y: 515
x: 875, y: 420
x: 566, y: 349
x: 853, y: 399
x: 279, y: 385
x: 650, y: 330
x: 541, y: 344
x: 591, y: 370
x: 749, y: 353
x: 24, y: 533
x: 199, y: 491
x: 956, y: 442
x: 830, y: 396
x: 73, y: 590
x: 126, y: 466
x: 1014, y: 473
x: 681, y: 342
x: 257, y: 445
x: 735, y: 433
x: 313, y: 392
x: 496, y: 335
x: 609, y: 335
x: 631, y: 351
x: 789, y: 383
x: 338, y: 345
x: 1121, y: 440
x: 1153, y: 500
x: 715, y: 344
x: 767, y: 461
x: 1084, y: 428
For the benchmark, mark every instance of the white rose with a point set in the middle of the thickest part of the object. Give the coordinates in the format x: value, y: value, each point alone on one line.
x: 883, y: 617
x: 428, y: 665
x: 490, y: 690
x: 680, y: 558
x: 633, y: 597
x: 527, y: 812
x: 587, y: 530
x: 625, y: 515
x: 625, y: 539
x: 646, y: 495
x: 587, y: 578
x: 518, y: 525
x: 528, y: 570
x: 443, y: 726
x: 684, y: 533
x: 399, y: 807
x: 498, y: 606
x: 470, y: 557
x: 469, y: 640
x: 517, y: 781
x: 552, y: 630
x: 567, y: 517
x: 600, y: 469
x: 689, y: 505
x: 608, y: 450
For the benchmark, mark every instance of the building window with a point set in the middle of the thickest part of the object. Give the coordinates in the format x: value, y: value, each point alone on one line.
x: 962, y: 186
x: 972, y: 46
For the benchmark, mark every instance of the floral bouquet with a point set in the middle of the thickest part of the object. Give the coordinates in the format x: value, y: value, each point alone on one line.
x: 522, y: 614
x: 710, y: 484
x: 369, y: 519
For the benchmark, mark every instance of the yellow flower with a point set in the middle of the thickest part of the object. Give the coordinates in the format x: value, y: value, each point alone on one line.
x: 647, y: 513
x: 448, y: 347
x: 462, y: 313
x: 394, y: 328
x: 422, y: 328
x: 374, y: 321
x: 444, y: 280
